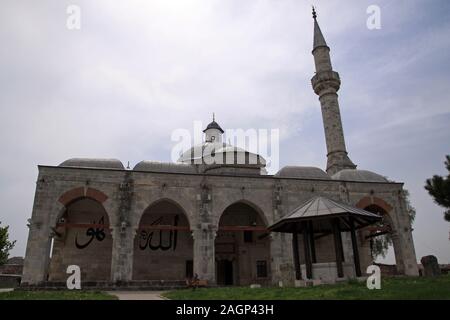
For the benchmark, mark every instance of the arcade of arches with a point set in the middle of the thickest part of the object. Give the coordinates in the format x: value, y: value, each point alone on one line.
x: 163, y: 245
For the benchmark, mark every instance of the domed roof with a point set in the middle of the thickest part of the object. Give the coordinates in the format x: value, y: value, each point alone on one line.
x: 209, y: 150
x: 358, y: 175
x: 302, y: 173
x: 164, y: 167
x: 93, y: 163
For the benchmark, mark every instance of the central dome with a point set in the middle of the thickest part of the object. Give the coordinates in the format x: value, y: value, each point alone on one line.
x: 214, y: 153
x: 220, y: 153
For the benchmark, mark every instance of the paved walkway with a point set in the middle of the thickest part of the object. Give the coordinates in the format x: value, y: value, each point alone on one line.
x: 6, y: 289
x: 138, y: 295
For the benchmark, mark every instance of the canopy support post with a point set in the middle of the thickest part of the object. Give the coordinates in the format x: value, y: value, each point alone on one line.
x: 338, y: 247
x: 307, y: 249
x: 312, y: 242
x: 355, y: 248
x: 298, y: 270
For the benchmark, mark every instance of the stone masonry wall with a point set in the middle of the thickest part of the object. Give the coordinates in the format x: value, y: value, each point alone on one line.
x: 125, y: 195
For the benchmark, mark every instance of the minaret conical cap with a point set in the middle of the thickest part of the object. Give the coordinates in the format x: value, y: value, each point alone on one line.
x: 319, y: 40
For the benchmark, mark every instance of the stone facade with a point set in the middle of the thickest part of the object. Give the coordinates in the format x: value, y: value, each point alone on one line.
x: 118, y: 257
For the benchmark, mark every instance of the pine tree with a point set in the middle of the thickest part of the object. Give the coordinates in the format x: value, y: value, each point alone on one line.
x: 439, y: 188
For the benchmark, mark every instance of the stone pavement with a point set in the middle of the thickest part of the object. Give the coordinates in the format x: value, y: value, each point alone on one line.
x: 138, y: 295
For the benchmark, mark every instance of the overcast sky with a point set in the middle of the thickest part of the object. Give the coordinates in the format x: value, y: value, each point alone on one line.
x: 138, y: 70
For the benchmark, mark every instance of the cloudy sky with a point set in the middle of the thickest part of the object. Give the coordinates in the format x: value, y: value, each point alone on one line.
x: 138, y: 70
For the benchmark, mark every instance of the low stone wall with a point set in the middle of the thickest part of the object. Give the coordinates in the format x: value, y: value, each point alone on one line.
x: 10, y: 280
x: 387, y: 269
x: 106, y: 285
x: 445, y: 269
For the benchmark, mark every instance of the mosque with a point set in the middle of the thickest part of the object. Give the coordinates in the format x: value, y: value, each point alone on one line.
x: 226, y: 222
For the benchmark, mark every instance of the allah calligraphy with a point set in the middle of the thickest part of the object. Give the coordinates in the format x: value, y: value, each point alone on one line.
x: 147, y: 239
x: 92, y: 233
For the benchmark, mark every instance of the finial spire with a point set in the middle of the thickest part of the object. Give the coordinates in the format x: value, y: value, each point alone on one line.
x: 314, y: 13
x: 214, y: 117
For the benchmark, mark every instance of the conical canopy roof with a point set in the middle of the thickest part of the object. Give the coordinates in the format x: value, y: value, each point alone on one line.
x: 320, y: 211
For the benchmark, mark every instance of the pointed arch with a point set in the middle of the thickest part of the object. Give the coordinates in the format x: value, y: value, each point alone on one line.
x: 368, y: 201
x: 250, y: 204
x: 168, y: 200
x: 76, y: 193
x: 81, y: 236
x: 163, y: 244
x: 242, y: 245
x: 366, y: 235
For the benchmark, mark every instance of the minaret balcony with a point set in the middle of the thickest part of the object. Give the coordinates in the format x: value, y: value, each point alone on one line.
x: 326, y: 80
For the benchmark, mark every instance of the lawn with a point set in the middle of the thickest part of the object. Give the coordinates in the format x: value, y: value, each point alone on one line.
x: 391, y: 288
x: 56, y: 295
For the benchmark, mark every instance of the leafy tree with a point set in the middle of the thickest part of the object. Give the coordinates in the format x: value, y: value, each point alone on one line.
x: 439, y: 188
x: 5, y: 244
x: 380, y: 245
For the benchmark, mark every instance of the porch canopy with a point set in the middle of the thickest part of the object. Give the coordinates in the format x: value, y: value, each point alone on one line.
x: 320, y: 217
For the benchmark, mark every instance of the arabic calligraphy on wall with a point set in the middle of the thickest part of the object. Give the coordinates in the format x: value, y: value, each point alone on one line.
x: 159, y: 240
x: 93, y: 233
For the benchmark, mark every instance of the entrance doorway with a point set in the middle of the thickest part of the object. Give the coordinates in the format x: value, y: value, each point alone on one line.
x: 225, y: 272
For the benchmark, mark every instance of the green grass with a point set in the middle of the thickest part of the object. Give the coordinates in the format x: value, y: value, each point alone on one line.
x: 56, y: 295
x: 391, y: 288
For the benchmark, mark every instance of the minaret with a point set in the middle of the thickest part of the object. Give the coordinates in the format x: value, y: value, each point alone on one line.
x: 326, y: 84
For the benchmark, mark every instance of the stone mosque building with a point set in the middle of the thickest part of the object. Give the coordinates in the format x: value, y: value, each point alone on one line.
x: 165, y: 222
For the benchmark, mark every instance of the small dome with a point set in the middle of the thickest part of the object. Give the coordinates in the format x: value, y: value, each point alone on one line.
x: 154, y: 166
x: 302, y: 173
x: 358, y: 175
x: 93, y: 163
